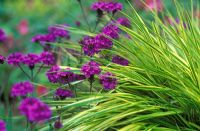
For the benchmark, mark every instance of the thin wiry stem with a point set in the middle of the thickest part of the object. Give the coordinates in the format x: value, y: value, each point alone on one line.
x: 84, y: 15
x: 24, y: 71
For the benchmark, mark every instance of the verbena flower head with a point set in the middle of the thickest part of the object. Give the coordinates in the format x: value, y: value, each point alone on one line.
x: 2, y: 59
x: 58, y: 32
x: 120, y: 60
x: 3, y: 36
x: 2, y: 125
x: 34, y: 110
x: 124, y: 22
x: 47, y: 58
x: 109, y: 7
x: 90, y: 47
x: 58, y: 124
x: 103, y: 42
x: 78, y: 23
x: 111, y: 31
x: 43, y: 38
x: 66, y: 76
x: 52, y: 74
x: 90, y: 69
x: 22, y: 89
x: 108, y: 81
x: 15, y: 58
x: 31, y: 59
x: 63, y: 93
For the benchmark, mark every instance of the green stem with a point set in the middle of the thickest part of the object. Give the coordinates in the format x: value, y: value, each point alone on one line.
x: 23, y: 71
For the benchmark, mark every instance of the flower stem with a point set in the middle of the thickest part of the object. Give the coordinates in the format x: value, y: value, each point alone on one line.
x: 38, y: 71
x: 23, y: 71
x: 84, y: 15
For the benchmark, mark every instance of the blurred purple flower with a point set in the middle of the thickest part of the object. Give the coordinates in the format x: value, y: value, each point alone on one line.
x: 111, y: 31
x: 63, y: 93
x: 90, y: 69
x: 43, y: 38
x: 120, y: 60
x: 34, y: 110
x: 47, y: 58
x: 2, y: 59
x: 103, y: 42
x: 31, y: 59
x: 58, y: 32
x: 22, y: 89
x: 2, y: 125
x: 3, y: 36
x: 15, y: 58
x: 58, y: 124
x: 78, y: 23
x: 65, y: 77
x: 90, y: 47
x: 108, y: 81
x: 108, y: 7
x: 124, y: 22
x: 52, y: 74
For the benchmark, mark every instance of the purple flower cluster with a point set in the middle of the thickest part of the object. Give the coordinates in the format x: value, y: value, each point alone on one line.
x: 35, y: 110
x: 31, y: 59
x: 120, y: 60
x: 103, y: 42
x: 3, y: 36
x: 108, y: 81
x: 124, y: 22
x: 47, y: 58
x: 63, y: 93
x: 58, y: 124
x: 58, y: 32
x: 15, y: 58
x: 90, y: 46
x: 107, y: 6
x: 90, y: 69
x: 51, y: 36
x: 43, y: 38
x: 22, y: 89
x: 111, y: 31
x: 2, y: 59
x: 2, y: 125
x: 66, y: 77
x: 52, y: 74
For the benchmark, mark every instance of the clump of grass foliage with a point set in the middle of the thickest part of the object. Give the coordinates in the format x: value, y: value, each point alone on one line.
x: 159, y: 90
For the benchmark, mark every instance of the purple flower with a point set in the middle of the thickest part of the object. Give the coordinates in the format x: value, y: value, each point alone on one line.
x: 2, y: 59
x: 15, y: 58
x: 108, y: 81
x: 111, y: 31
x: 63, y: 93
x: 52, y: 74
x: 44, y: 38
x: 47, y: 58
x: 58, y: 32
x: 34, y: 110
x: 22, y: 89
x: 78, y: 77
x: 120, y: 60
x: 107, y: 6
x: 90, y: 47
x: 65, y: 77
x: 90, y: 69
x: 3, y: 36
x: 58, y: 124
x: 78, y: 23
x: 2, y: 125
x: 103, y: 42
x: 31, y: 59
x: 124, y: 22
